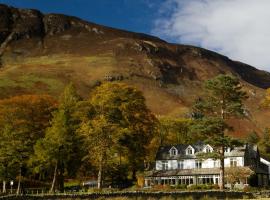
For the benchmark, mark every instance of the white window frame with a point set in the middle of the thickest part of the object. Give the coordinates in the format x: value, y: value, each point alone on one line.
x: 198, y: 164
x: 233, y: 162
x: 189, y: 150
x: 173, y: 151
x: 180, y: 164
x: 216, y: 163
x: 227, y: 149
x: 208, y: 149
x: 165, y: 165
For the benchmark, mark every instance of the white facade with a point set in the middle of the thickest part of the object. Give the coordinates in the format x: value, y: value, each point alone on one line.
x: 181, y: 164
x: 195, y: 163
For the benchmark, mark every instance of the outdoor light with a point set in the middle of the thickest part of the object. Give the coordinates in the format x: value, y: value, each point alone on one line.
x: 11, y: 184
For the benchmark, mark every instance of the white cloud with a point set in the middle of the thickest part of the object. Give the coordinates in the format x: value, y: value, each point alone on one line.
x: 239, y: 29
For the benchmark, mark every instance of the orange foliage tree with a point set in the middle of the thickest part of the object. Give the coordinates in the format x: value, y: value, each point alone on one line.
x: 23, y: 120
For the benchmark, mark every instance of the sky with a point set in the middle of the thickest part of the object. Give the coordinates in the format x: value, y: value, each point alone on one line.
x: 238, y: 29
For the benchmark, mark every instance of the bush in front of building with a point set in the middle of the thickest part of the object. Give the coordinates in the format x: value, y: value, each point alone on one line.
x: 203, y: 187
x: 181, y: 186
x: 162, y: 187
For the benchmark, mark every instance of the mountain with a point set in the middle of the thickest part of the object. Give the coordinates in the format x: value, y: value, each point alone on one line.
x: 41, y: 53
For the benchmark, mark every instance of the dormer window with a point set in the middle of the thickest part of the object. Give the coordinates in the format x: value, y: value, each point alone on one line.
x: 227, y: 149
x: 189, y: 150
x: 208, y: 149
x: 173, y: 151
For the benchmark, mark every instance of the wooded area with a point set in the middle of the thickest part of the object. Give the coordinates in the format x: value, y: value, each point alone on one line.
x: 112, y: 136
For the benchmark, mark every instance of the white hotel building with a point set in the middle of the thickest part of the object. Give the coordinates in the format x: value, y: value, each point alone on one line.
x: 178, y: 164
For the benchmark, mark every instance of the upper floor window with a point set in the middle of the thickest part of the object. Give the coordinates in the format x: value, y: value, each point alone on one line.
x: 233, y: 162
x: 165, y: 165
x: 208, y: 150
x: 198, y: 164
x: 216, y: 163
x: 189, y: 151
x: 227, y: 149
x: 180, y: 164
x: 173, y: 151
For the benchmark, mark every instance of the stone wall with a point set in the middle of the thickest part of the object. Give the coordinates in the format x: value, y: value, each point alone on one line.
x: 141, y: 195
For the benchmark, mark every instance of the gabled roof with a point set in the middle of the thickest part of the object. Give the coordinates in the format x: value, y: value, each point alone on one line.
x: 164, y: 154
x: 163, y: 151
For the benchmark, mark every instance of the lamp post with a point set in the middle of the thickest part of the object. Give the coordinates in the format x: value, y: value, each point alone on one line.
x: 11, y: 185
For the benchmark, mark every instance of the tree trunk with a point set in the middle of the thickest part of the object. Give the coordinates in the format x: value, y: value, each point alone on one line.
x: 222, y: 169
x: 61, y: 177
x: 134, y: 178
x: 4, y: 186
x: 54, y: 180
x: 100, y: 173
x: 19, y: 182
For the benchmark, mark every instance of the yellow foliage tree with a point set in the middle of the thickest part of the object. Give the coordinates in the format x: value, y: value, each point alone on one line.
x: 266, y: 100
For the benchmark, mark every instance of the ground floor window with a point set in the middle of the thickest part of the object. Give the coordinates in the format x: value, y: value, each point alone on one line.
x: 207, y: 179
x: 185, y: 180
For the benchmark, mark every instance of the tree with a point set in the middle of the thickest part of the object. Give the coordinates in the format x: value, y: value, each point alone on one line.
x: 57, y: 147
x: 264, y: 143
x: 253, y: 138
x: 238, y: 174
x: 266, y: 100
x: 23, y: 119
x: 174, y: 131
x: 223, y: 100
x: 123, y: 120
x: 100, y: 138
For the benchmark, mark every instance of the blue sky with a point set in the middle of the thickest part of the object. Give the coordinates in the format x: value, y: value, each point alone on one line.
x: 133, y: 15
x: 238, y: 29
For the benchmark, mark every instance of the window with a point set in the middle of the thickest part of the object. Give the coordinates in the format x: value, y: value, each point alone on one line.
x: 208, y: 150
x: 233, y: 162
x: 185, y: 180
x: 189, y: 151
x: 198, y: 164
x: 216, y: 163
x: 173, y: 151
x: 206, y: 179
x: 165, y: 165
x: 180, y: 164
x: 227, y: 149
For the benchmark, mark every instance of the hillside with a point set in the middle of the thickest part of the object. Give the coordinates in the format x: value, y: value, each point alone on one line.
x: 42, y: 53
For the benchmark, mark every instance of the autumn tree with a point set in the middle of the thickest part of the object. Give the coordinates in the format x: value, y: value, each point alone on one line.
x: 174, y: 131
x: 60, y: 144
x: 100, y: 139
x: 23, y: 119
x: 223, y: 100
x: 235, y: 175
x: 264, y: 143
x: 252, y: 138
x: 266, y: 100
x: 121, y: 122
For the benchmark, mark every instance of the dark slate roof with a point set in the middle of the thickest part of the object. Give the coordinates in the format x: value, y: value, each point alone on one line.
x: 164, y: 154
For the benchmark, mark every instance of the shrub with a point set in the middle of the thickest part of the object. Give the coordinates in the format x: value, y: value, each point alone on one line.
x: 181, y: 187
x: 202, y: 187
x: 161, y: 187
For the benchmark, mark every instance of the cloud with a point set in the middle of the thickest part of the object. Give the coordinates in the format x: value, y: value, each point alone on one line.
x: 239, y: 29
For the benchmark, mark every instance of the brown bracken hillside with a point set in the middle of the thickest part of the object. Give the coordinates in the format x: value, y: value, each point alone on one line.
x: 42, y: 53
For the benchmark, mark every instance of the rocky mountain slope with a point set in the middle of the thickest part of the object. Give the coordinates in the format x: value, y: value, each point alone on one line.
x: 42, y: 53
